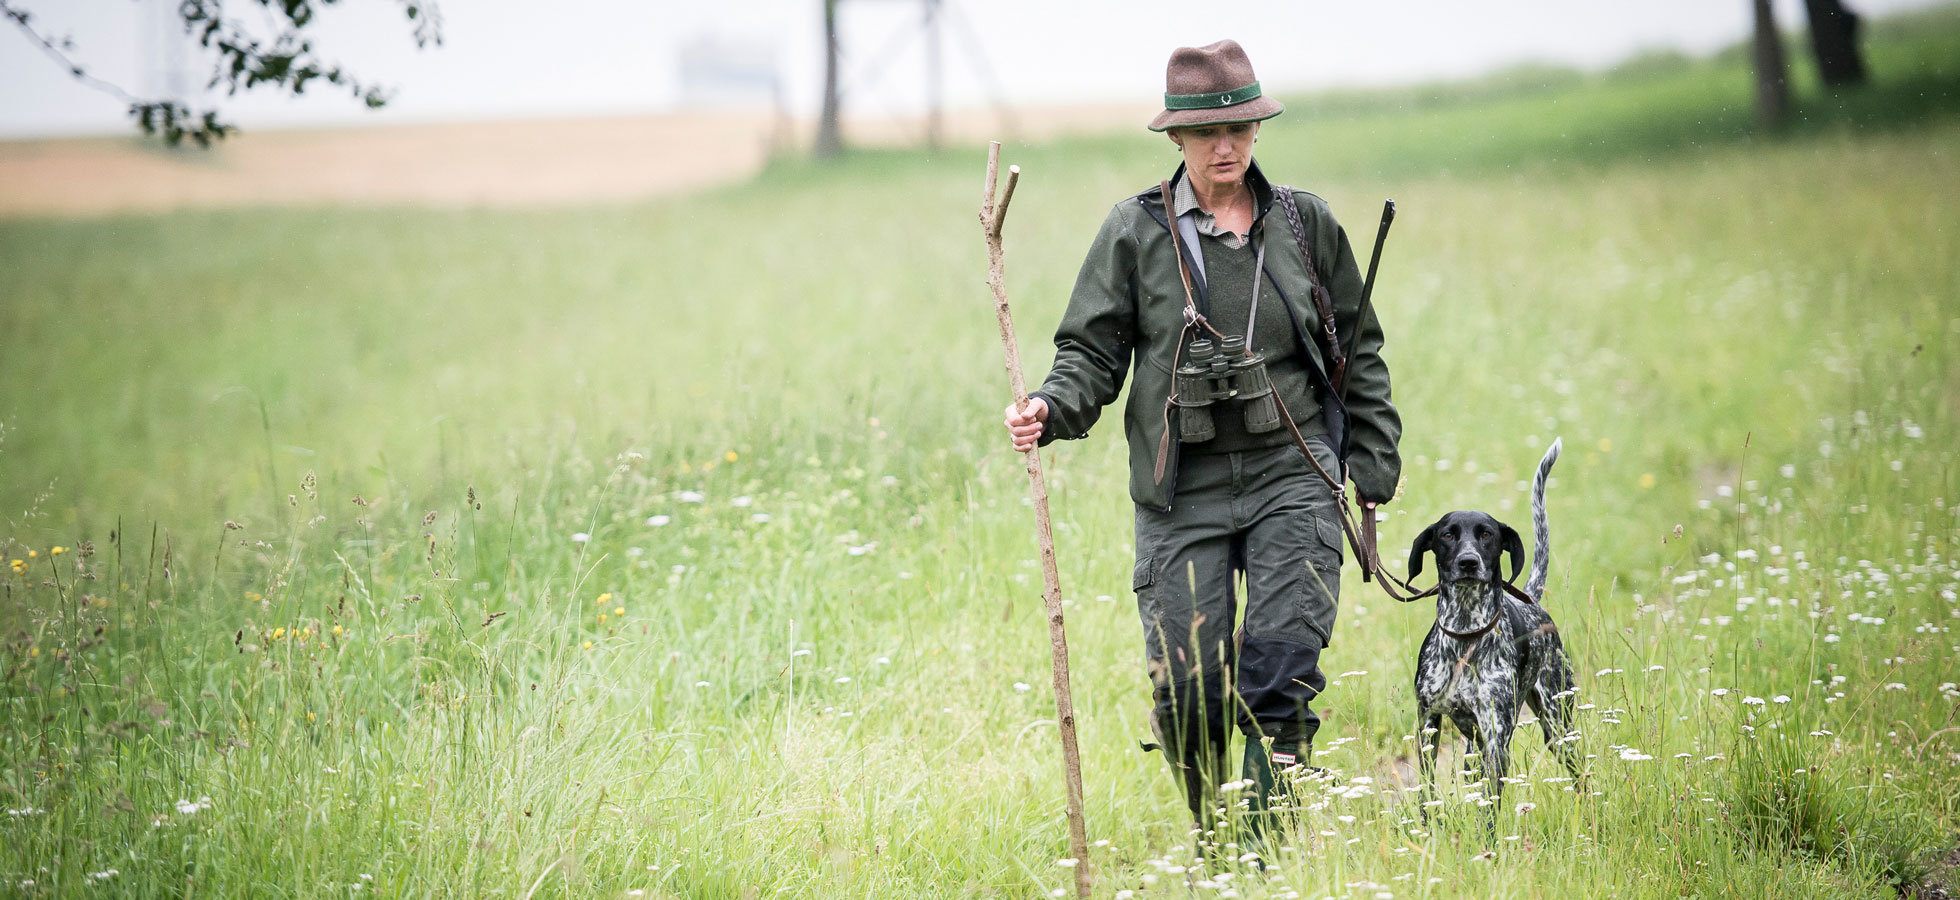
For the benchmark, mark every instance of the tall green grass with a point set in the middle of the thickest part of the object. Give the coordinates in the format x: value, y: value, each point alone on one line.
x: 675, y: 547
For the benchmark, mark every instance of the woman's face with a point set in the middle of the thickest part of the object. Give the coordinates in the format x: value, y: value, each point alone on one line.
x: 1216, y: 154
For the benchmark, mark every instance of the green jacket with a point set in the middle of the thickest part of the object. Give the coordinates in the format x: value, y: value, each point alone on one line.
x: 1127, y: 313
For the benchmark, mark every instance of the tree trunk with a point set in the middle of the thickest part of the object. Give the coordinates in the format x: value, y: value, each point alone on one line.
x: 829, y: 142
x: 1772, y: 76
x: 1834, y: 38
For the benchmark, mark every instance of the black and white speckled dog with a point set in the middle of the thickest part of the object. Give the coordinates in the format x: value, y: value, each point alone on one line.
x: 1492, y: 649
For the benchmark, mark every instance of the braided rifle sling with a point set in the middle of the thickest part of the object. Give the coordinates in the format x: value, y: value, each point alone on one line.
x: 1330, y: 341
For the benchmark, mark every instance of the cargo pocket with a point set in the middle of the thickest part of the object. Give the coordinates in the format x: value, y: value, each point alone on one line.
x: 1141, y: 579
x: 1320, y: 587
x: 1329, y: 533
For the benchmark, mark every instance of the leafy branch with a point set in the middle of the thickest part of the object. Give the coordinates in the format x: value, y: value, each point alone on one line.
x: 285, y: 61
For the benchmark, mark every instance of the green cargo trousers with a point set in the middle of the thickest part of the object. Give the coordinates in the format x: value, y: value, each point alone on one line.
x: 1264, y: 513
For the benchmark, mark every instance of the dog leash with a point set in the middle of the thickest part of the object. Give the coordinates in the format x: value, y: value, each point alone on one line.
x: 1371, y: 561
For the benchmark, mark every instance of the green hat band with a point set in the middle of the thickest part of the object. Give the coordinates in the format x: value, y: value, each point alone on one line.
x: 1212, y: 101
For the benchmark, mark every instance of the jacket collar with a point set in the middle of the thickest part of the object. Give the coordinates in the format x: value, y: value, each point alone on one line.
x: 1255, y: 181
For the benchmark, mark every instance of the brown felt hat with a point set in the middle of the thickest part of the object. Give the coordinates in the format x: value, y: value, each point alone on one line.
x: 1212, y: 85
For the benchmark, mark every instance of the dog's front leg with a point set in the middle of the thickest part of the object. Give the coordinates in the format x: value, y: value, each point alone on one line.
x: 1495, y: 722
x: 1429, y: 733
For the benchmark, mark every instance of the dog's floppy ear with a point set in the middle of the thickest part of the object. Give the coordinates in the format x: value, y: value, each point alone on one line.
x: 1513, y: 547
x: 1425, y: 542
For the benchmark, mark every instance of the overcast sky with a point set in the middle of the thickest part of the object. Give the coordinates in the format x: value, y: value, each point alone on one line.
x: 504, y: 58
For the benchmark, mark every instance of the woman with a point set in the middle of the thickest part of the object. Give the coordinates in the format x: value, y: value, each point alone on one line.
x: 1221, y: 488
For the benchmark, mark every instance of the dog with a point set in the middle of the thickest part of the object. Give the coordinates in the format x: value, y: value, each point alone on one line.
x: 1489, y: 653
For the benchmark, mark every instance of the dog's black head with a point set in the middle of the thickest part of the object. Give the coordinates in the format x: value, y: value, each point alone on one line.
x: 1467, y: 545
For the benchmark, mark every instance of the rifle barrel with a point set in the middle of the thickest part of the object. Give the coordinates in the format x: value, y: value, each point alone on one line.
x: 1367, y: 289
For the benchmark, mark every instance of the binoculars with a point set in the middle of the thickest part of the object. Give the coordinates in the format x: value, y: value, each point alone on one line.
x: 1217, y: 372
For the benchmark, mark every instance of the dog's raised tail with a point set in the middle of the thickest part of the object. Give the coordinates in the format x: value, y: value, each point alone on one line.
x: 1541, y: 533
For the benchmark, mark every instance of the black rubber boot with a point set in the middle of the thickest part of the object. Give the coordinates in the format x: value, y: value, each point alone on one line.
x: 1267, y: 771
x: 1190, y: 727
x: 1201, y: 774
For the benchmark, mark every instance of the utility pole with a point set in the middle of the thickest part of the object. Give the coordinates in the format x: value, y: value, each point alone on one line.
x: 934, y: 76
x: 829, y: 142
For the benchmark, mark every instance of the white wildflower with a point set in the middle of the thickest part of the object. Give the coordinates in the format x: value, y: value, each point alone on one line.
x: 692, y: 497
x: 659, y: 521
x: 581, y: 538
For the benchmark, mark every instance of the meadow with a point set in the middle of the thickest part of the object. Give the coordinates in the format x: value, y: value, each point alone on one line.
x: 674, y: 549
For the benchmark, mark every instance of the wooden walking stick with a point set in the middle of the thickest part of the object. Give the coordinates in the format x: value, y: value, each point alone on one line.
x: 991, y: 216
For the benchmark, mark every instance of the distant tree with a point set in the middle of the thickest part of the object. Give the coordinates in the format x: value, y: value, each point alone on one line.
x: 279, y: 56
x: 1772, y: 75
x: 1834, y: 40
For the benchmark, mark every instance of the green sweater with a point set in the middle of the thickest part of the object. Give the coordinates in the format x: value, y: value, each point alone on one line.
x: 1126, y: 314
x: 1228, y: 278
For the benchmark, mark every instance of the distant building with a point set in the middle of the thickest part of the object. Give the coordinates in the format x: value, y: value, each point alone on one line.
x: 721, y: 71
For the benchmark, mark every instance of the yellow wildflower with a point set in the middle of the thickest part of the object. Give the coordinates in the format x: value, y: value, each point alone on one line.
x: 731, y: 456
x: 336, y: 630
x: 57, y: 550
x: 33, y: 651
x: 279, y: 632
x: 310, y: 717
x: 1647, y: 480
x: 1605, y: 445
x: 33, y: 553
x: 602, y: 618
x: 619, y: 611
x: 588, y: 645
x: 604, y: 599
